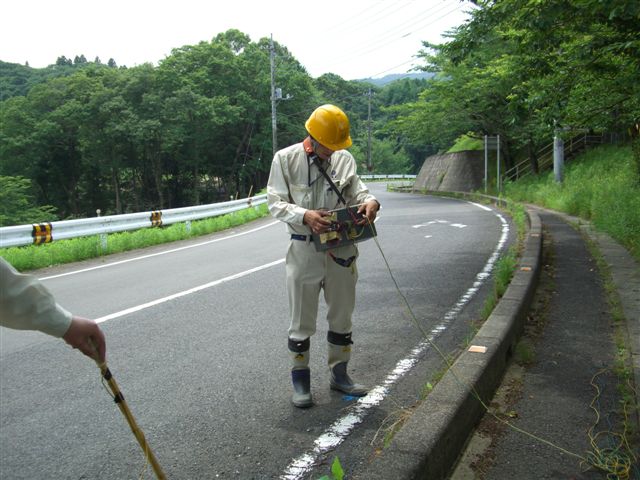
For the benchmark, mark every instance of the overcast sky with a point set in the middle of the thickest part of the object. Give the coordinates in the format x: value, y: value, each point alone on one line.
x: 352, y: 38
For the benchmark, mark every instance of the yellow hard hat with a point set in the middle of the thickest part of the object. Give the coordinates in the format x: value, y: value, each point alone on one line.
x: 330, y: 127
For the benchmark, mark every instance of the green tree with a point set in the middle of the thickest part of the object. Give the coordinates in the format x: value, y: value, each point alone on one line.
x: 18, y: 206
x: 197, y: 128
x: 386, y: 160
x: 106, y: 142
x: 519, y: 68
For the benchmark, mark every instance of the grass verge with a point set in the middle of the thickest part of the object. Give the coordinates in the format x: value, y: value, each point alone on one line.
x: 33, y: 257
x: 601, y: 185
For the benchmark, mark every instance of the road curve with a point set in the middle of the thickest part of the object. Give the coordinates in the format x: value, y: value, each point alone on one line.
x: 197, y: 342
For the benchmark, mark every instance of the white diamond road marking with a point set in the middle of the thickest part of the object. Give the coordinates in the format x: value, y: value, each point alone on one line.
x: 441, y: 222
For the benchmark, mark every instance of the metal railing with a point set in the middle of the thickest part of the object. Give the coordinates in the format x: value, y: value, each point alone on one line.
x: 572, y: 146
x: 46, y: 232
x: 387, y: 177
x: 39, y: 233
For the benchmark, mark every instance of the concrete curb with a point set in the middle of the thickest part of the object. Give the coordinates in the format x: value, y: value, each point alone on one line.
x: 429, y: 443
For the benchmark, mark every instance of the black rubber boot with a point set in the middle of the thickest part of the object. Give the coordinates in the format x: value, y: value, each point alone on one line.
x: 341, y: 381
x: 301, y: 379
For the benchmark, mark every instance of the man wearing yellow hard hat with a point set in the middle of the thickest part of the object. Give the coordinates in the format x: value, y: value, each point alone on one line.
x: 307, y: 181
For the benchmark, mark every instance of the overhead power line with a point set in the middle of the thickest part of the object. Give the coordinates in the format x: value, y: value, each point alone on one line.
x: 354, y: 21
x: 396, y: 34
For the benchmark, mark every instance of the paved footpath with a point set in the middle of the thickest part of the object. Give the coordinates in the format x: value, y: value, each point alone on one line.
x: 562, y: 387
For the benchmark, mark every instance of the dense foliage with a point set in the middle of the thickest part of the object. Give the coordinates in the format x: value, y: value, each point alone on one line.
x: 17, y: 203
x: 195, y: 129
x: 522, y: 68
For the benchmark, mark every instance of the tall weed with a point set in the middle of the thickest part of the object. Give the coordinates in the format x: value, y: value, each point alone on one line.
x: 600, y: 185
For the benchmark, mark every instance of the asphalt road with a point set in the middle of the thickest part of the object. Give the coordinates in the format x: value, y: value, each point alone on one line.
x: 196, y: 337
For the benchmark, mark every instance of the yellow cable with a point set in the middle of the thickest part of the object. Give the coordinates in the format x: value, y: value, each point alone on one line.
x: 612, y: 460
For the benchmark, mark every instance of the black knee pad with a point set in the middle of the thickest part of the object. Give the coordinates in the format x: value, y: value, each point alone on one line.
x: 339, y: 338
x: 299, y: 346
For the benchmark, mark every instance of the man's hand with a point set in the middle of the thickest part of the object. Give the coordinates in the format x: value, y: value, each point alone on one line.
x: 316, y: 220
x: 369, y: 210
x: 86, y: 336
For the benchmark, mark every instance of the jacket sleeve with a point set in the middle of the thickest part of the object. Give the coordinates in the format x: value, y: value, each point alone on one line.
x: 279, y: 199
x: 26, y: 304
x: 356, y: 190
x: 360, y: 192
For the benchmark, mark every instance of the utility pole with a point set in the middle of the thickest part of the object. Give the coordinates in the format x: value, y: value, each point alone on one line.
x: 498, y: 178
x: 369, y: 161
x: 558, y: 156
x: 276, y: 94
x: 274, y: 122
x: 486, y: 162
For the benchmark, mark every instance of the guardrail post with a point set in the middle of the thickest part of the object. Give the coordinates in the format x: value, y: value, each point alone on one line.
x: 103, y: 242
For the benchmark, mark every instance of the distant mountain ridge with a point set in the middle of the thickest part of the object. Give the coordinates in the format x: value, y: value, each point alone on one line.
x: 392, y: 77
x: 17, y: 79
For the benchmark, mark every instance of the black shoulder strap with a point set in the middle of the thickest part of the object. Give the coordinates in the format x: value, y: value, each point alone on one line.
x: 333, y: 186
x: 318, y: 163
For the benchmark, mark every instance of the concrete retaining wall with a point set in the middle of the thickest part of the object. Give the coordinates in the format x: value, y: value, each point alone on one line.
x: 452, y: 172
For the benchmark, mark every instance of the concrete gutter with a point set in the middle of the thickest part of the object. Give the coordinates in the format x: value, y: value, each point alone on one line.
x: 428, y: 445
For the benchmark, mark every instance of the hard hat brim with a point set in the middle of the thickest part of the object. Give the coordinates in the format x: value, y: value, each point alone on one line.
x: 329, y: 126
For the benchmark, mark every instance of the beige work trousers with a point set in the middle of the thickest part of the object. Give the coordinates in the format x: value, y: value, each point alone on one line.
x: 308, y: 271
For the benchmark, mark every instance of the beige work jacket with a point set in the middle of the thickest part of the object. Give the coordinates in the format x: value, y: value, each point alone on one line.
x: 296, y: 185
x: 26, y: 304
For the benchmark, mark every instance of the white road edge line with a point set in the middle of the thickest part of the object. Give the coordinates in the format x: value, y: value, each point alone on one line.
x: 158, y: 301
x: 164, y: 252
x: 336, y: 433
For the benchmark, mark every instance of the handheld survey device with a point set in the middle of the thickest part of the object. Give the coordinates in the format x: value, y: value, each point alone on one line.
x: 344, y: 229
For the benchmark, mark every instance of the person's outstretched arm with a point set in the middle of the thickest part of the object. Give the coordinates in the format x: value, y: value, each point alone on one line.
x: 26, y: 304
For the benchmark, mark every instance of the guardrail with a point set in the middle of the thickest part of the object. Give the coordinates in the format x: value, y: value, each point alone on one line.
x: 47, y: 232
x: 40, y: 233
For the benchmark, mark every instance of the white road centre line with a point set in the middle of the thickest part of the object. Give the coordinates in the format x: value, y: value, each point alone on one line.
x: 158, y: 301
x: 479, y: 205
x: 353, y: 415
x: 164, y: 252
